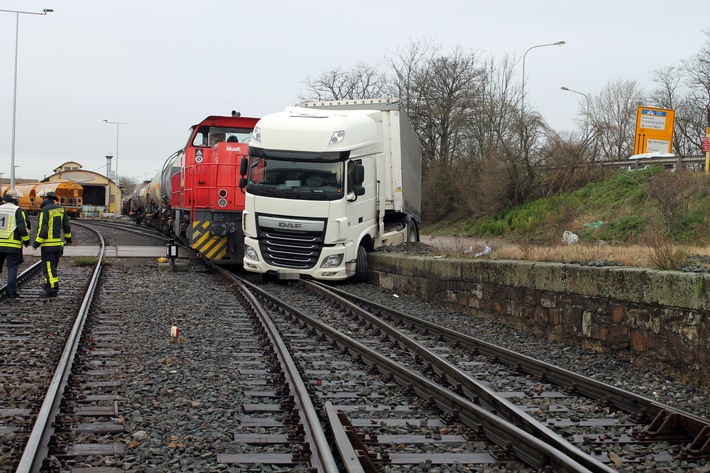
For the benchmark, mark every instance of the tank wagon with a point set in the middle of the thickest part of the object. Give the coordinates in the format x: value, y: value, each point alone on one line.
x: 195, y: 197
x: 70, y: 196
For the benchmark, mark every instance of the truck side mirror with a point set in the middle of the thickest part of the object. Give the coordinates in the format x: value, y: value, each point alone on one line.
x: 359, y: 174
x: 243, y: 166
x: 242, y: 182
x: 359, y: 190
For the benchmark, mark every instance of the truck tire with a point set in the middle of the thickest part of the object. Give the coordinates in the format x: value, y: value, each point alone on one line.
x: 412, y: 232
x: 361, y: 268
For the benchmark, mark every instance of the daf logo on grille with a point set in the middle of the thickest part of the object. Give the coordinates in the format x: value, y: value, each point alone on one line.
x: 292, y: 224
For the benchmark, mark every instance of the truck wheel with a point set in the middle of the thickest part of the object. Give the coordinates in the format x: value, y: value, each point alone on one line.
x: 361, y: 265
x: 412, y: 232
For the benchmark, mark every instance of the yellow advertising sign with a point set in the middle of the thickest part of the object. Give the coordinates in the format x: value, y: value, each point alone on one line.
x: 654, y: 130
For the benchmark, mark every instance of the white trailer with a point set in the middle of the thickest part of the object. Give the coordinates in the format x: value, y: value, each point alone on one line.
x: 325, y: 183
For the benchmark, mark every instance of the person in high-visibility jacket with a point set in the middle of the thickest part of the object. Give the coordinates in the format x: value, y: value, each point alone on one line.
x: 52, y: 222
x: 14, y: 233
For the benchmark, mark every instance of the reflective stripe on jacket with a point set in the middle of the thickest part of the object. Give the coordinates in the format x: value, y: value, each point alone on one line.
x: 13, y: 227
x: 52, y: 221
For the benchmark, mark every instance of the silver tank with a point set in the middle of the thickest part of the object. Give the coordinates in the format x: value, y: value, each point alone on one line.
x: 170, y: 168
x: 154, y: 193
x: 140, y: 197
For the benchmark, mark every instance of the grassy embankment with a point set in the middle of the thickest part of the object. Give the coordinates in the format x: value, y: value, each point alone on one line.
x: 652, y: 218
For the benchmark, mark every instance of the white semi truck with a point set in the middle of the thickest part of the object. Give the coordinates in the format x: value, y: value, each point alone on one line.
x: 325, y: 183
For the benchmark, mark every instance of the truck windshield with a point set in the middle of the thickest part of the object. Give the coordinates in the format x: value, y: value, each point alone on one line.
x: 296, y: 179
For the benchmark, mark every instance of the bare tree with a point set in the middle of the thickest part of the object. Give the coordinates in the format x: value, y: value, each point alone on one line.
x: 447, y: 87
x: 669, y: 81
x: 465, y: 112
x: 669, y: 94
x: 480, y: 154
x: 507, y: 175
x: 614, y: 118
x: 569, y: 163
x: 698, y: 102
x: 360, y: 82
x: 447, y: 90
x: 493, y: 130
x: 407, y: 65
x: 128, y: 185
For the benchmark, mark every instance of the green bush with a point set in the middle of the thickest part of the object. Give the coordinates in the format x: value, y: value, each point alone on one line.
x: 626, y: 229
x: 629, y: 203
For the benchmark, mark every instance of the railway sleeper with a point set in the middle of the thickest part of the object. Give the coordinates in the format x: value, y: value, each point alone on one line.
x: 676, y: 428
x: 91, y: 449
x: 700, y: 446
x: 365, y: 445
x: 300, y: 451
x: 259, y: 458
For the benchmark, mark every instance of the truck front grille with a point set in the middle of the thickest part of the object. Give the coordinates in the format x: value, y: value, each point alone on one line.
x: 289, y: 250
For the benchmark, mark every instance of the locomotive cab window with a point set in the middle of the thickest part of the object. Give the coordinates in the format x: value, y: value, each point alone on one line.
x: 207, y: 136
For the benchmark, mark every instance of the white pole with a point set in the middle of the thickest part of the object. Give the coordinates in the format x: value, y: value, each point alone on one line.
x: 118, y: 188
x: 14, y: 87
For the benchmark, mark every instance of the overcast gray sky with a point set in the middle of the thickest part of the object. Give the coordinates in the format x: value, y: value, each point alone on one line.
x: 162, y: 66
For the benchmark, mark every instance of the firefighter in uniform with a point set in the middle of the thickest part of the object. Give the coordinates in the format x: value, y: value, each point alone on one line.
x: 14, y: 233
x: 52, y: 222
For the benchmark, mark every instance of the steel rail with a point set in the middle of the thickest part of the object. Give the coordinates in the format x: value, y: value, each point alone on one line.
x: 527, y: 447
x: 37, y: 449
x: 126, y: 227
x: 622, y: 399
x: 467, y: 385
x: 352, y: 461
x: 321, y: 456
x: 26, y: 274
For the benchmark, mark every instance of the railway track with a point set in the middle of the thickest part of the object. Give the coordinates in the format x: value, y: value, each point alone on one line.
x: 111, y: 228
x: 290, y: 377
x: 43, y: 345
x: 391, y: 417
x: 39, y: 338
x: 602, y: 427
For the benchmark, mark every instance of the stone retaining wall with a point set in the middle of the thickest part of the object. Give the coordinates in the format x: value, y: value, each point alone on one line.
x: 658, y: 316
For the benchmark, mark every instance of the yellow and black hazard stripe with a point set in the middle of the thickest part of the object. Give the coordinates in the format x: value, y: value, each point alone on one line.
x: 211, y: 246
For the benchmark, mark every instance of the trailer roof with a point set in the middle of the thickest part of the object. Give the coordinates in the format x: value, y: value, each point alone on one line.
x: 391, y: 103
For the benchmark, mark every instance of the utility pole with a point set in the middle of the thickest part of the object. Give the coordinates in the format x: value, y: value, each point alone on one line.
x: 14, y: 90
x: 118, y: 185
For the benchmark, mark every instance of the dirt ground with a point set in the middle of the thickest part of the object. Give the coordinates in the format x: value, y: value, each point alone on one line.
x: 458, y: 244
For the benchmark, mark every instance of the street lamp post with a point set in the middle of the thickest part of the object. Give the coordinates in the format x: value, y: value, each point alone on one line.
x: 522, y: 94
x: 586, y: 119
x: 14, y: 88
x: 118, y: 191
x: 109, y: 157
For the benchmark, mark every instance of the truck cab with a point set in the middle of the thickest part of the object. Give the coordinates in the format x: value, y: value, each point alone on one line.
x: 325, y: 185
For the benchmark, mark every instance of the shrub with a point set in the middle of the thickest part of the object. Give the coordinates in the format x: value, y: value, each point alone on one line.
x: 662, y: 253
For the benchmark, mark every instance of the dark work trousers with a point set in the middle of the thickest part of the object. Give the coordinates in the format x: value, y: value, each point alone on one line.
x: 50, y: 266
x: 13, y: 263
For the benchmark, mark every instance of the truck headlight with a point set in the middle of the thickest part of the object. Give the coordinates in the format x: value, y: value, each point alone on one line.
x: 332, y: 261
x: 251, y: 253
x: 337, y: 137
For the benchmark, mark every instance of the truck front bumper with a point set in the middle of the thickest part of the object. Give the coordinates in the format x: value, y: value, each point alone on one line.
x: 337, y: 273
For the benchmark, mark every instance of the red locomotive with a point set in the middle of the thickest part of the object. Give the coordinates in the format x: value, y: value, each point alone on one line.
x: 196, y: 196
